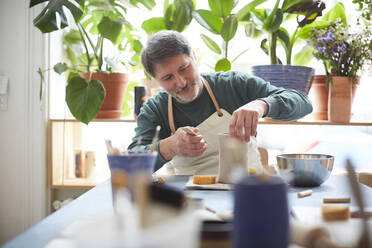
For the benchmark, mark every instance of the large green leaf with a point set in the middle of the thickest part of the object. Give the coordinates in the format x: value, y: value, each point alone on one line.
x: 272, y: 24
x: 304, y: 56
x: 129, y: 98
x: 149, y: 4
x: 72, y: 36
x: 243, y: 12
x: 305, y: 31
x: 221, y: 8
x: 290, y: 3
x: 311, y: 9
x: 179, y: 15
x: 84, y: 99
x: 47, y: 20
x: 208, y: 20
x: 284, y: 39
x: 110, y: 29
x: 338, y: 11
x: 210, y: 44
x: 222, y: 65
x: 268, y: 23
x: 153, y: 25
x: 229, y: 27
x: 60, y: 68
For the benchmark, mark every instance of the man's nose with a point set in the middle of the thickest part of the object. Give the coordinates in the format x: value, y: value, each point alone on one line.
x: 180, y: 81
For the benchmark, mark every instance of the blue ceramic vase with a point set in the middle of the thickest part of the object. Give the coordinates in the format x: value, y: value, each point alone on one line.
x: 287, y: 76
x: 261, y: 216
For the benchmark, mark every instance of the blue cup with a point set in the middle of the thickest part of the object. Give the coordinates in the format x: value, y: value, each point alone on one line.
x: 133, y: 162
x: 261, y: 217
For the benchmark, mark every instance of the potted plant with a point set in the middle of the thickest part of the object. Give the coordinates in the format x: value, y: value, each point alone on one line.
x: 85, y: 94
x: 344, y: 51
x: 319, y: 87
x: 270, y: 21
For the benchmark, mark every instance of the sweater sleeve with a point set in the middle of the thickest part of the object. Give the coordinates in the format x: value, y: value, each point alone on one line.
x: 151, y: 115
x: 284, y: 104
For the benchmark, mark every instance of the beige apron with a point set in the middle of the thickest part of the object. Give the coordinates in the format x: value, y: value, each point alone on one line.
x: 207, y: 163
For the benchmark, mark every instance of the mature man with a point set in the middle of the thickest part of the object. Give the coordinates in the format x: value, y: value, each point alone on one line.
x: 210, y: 103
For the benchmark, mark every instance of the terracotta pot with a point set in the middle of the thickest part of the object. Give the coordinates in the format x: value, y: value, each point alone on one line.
x: 319, y: 97
x: 340, y: 98
x: 115, y: 85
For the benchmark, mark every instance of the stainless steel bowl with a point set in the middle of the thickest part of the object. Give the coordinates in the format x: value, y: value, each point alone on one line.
x: 305, y: 170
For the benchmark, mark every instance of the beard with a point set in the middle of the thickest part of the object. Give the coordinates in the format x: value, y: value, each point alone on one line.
x: 195, y: 94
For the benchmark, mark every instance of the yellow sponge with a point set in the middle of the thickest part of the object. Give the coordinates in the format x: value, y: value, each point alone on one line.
x: 331, y: 213
x: 204, y: 179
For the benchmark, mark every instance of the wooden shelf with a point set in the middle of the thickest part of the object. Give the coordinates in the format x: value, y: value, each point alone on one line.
x: 267, y: 121
x: 312, y: 122
x: 94, y: 120
x: 77, y: 183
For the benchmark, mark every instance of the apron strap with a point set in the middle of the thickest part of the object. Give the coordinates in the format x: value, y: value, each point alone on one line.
x: 170, y: 114
x: 170, y: 105
x: 219, y: 112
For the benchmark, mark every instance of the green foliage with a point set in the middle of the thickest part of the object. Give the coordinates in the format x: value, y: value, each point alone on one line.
x: 177, y: 16
x: 222, y: 65
x: 96, y: 21
x: 84, y: 99
x: 366, y: 7
x: 47, y: 20
x: 129, y: 98
x: 219, y: 20
x: 270, y: 21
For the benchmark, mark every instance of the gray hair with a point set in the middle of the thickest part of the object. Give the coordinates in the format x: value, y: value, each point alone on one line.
x: 162, y: 45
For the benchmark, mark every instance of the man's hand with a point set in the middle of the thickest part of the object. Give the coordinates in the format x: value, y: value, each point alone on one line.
x: 246, y: 118
x: 183, y: 144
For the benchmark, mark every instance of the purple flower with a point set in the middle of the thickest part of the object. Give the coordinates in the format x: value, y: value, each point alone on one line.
x: 342, y: 48
x: 330, y: 37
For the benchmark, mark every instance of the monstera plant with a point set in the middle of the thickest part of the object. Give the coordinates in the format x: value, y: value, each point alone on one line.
x: 95, y: 22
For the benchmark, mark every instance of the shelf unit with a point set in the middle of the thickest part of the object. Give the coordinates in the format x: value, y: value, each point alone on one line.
x: 67, y: 135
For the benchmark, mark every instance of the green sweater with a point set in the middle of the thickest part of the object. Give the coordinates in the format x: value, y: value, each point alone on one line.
x: 232, y: 90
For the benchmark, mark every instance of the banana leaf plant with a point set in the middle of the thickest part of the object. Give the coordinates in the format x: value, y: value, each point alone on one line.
x: 105, y: 21
x: 270, y: 21
x: 176, y: 16
x: 220, y: 20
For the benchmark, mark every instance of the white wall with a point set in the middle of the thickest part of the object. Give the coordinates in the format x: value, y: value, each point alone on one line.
x: 23, y: 187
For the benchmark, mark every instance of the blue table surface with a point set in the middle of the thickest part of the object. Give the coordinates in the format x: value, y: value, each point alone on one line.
x: 99, y: 201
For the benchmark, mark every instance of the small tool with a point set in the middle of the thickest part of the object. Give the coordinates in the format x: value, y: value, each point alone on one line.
x: 364, y: 239
x: 189, y: 131
x: 155, y: 139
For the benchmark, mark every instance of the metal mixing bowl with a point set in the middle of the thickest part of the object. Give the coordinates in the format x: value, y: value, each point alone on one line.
x: 305, y: 170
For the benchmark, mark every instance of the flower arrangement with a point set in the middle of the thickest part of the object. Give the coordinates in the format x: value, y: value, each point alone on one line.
x: 343, y: 51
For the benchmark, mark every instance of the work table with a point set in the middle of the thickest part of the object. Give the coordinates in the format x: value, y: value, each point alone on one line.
x: 98, y: 201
